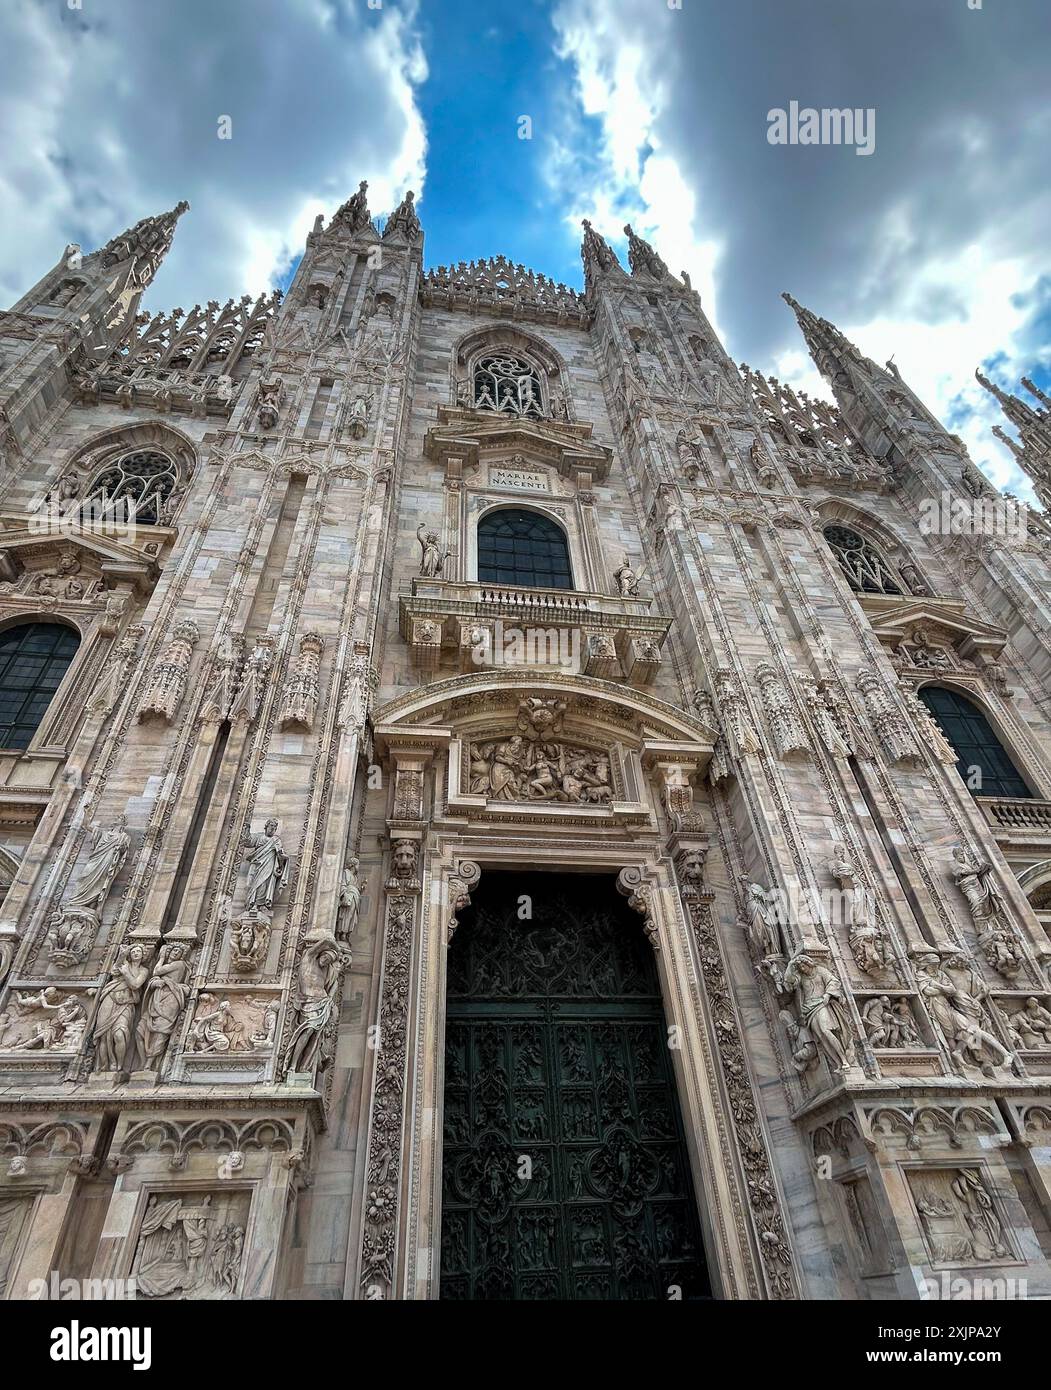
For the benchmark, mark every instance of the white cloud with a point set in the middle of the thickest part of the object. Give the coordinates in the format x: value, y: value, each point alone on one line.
x: 931, y: 252
x: 107, y: 118
x: 628, y: 177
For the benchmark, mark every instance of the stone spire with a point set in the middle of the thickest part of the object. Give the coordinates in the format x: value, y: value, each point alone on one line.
x: 403, y: 220
x: 1034, y: 431
x: 147, y: 243
x: 835, y: 355
x: 642, y: 258
x: 597, y: 256
x: 354, y: 215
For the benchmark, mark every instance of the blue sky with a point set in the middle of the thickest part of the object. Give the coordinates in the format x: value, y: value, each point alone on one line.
x: 933, y: 248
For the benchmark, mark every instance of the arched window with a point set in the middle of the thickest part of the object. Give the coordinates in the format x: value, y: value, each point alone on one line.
x: 520, y: 547
x: 507, y: 384
x: 975, y: 744
x: 33, y: 660
x: 145, y: 478
x: 866, y: 570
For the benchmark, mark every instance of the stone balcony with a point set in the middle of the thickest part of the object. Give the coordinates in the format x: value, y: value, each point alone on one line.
x: 1018, y: 823
x: 479, y: 625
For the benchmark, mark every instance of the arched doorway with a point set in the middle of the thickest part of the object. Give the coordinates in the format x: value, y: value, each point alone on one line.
x: 565, y: 1172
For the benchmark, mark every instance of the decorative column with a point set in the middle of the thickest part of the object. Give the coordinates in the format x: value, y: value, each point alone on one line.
x: 381, y: 1222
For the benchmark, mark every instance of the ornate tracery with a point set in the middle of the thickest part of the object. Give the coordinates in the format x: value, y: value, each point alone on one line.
x: 508, y: 384
x: 145, y: 479
x: 866, y: 570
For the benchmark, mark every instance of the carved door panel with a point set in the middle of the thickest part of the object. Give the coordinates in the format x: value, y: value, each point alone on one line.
x: 565, y: 1173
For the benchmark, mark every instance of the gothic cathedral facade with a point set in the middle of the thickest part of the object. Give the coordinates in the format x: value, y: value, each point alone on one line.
x: 498, y: 801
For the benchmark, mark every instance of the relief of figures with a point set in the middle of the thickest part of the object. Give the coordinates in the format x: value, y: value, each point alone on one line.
x: 515, y: 770
x: 958, y: 1218
x: 190, y: 1246
x: 534, y: 765
x: 44, y: 1022
x: 235, y: 1023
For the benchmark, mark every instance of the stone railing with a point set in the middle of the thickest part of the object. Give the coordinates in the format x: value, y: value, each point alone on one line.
x: 1019, y: 817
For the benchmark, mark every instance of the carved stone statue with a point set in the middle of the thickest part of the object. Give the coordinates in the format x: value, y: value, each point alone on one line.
x: 321, y: 966
x: 432, y: 557
x: 268, y: 404
x: 162, y: 1003
x: 819, y: 1000
x: 958, y: 1010
x: 349, y: 900
x: 358, y: 416
x: 974, y: 878
x: 627, y: 579
x: 115, y: 1016
x: 72, y: 928
x: 109, y: 849
x: 267, y: 868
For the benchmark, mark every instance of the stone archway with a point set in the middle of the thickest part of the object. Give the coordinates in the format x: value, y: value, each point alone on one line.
x: 446, y: 831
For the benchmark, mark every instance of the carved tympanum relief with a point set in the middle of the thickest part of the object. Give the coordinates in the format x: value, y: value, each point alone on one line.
x: 535, y: 764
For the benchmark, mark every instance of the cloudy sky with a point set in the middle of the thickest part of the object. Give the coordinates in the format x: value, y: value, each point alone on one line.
x: 933, y: 248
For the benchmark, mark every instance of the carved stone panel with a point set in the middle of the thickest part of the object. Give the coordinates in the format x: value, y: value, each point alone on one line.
x: 189, y: 1245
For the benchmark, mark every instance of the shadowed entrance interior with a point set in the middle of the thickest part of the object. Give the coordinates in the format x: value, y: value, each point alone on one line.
x: 565, y: 1174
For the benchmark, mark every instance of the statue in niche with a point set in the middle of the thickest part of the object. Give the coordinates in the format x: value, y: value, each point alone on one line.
x: 79, y: 916
x: 958, y: 1012
x: 764, y: 928
x: 432, y: 557
x: 349, y: 900
x: 974, y: 878
x: 358, y: 416
x: 115, y: 1016
x: 867, y: 944
x: 627, y: 579
x: 267, y: 868
x: 321, y: 966
x: 162, y: 1003
x: 819, y: 999
x: 268, y: 404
